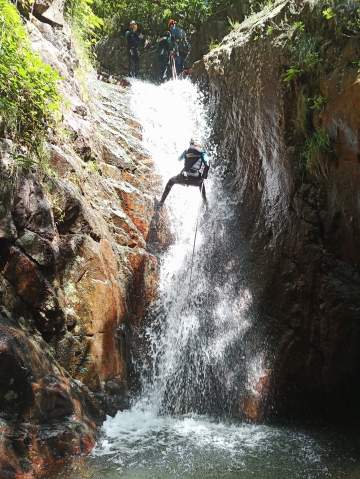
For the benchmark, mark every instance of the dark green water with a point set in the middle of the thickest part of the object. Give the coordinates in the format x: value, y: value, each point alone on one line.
x: 140, y: 445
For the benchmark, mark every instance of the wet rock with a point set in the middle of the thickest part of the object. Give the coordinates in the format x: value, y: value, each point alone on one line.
x: 292, y: 236
x: 35, y: 290
x: 73, y: 258
x: 39, y: 249
x: 7, y: 226
x: 32, y: 210
x: 34, y: 392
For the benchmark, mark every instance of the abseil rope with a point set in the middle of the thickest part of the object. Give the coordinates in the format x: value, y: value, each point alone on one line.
x: 196, y: 230
x: 173, y: 68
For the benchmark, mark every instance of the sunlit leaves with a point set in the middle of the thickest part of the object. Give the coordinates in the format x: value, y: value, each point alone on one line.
x: 28, y: 87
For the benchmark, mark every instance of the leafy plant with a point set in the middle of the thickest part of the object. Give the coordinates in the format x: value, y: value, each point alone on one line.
x: 346, y: 16
x: 258, y: 5
x: 153, y: 16
x: 306, y: 53
x: 84, y: 19
x: 298, y: 26
x: 213, y: 44
x: 356, y: 64
x: 291, y: 73
x: 316, y: 146
x: 234, y: 24
x: 270, y: 30
x: 328, y: 13
x: 317, y: 102
x: 29, y: 100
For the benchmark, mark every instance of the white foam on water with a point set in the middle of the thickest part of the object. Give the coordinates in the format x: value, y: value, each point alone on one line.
x: 142, y: 442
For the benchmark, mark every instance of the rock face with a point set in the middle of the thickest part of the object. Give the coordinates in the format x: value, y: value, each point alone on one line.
x: 216, y: 27
x: 112, y: 56
x: 45, y: 414
x: 74, y: 259
x: 294, y: 232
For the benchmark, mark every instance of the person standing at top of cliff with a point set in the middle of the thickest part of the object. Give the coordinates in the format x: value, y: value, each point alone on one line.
x: 181, y: 48
x: 164, y: 48
x: 195, y: 171
x: 134, y: 39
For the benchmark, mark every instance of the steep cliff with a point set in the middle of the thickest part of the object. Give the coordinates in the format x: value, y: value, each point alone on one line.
x: 73, y: 263
x: 283, y: 90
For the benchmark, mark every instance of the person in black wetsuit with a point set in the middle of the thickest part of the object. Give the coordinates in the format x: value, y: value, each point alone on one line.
x: 181, y: 43
x: 194, y: 173
x: 134, y: 39
x: 164, y: 48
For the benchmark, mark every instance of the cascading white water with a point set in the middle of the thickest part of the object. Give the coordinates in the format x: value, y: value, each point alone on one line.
x: 203, y: 353
x: 196, y: 320
x: 199, y: 362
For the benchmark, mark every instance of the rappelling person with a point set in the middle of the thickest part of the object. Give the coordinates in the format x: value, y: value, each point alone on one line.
x: 181, y: 45
x: 195, y: 171
x: 134, y: 40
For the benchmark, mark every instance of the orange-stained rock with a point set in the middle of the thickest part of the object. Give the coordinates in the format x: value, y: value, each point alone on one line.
x: 48, y: 415
x: 138, y: 207
x: 75, y: 269
x: 97, y: 302
x: 254, y: 403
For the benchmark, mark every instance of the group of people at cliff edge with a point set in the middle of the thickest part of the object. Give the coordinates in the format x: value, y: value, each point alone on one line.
x: 172, y: 50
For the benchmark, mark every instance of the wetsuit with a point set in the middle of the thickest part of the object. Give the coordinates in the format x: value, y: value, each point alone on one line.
x: 134, y: 40
x: 178, y: 36
x: 164, y: 49
x: 194, y: 173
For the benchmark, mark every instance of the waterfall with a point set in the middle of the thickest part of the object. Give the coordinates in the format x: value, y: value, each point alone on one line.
x: 194, y: 327
x: 204, y: 358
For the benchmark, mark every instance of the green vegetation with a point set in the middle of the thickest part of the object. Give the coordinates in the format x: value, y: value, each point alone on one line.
x: 98, y: 18
x: 317, y: 102
x: 29, y: 99
x: 356, y: 64
x: 305, y: 54
x: 258, y: 5
x: 328, y: 13
x: 316, y: 146
x: 213, y: 44
x: 345, y: 16
x: 151, y: 15
x: 313, y: 46
x: 84, y: 20
x: 291, y: 73
x: 234, y: 24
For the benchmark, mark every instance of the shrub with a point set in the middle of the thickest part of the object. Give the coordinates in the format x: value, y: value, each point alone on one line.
x: 84, y: 20
x: 28, y: 87
x: 291, y: 73
x: 316, y: 146
x: 213, y: 44
x: 345, y: 15
x: 234, y: 24
x: 317, y: 102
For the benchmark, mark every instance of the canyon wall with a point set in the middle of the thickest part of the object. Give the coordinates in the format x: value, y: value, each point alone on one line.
x: 292, y: 224
x: 73, y: 263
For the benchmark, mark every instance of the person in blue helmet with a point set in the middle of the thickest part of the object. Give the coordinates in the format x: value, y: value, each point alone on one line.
x: 195, y: 171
